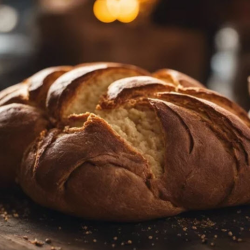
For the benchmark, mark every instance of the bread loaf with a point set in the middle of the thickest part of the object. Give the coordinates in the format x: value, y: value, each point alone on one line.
x: 121, y: 144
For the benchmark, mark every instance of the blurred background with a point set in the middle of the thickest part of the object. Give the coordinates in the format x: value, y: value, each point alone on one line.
x: 206, y: 39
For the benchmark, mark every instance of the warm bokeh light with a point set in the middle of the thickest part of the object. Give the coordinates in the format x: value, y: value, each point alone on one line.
x: 113, y: 7
x: 108, y: 11
x: 8, y: 18
x: 102, y: 12
x: 129, y: 10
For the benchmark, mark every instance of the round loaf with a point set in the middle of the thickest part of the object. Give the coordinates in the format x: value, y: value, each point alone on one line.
x: 127, y: 145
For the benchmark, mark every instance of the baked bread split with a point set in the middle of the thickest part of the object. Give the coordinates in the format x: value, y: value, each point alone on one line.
x: 114, y: 142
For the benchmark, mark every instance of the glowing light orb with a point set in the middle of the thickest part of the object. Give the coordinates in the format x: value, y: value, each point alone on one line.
x: 129, y: 10
x: 108, y: 11
x: 8, y: 18
x: 102, y: 12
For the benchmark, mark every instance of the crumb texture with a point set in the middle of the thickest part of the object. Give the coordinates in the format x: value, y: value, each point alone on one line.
x: 140, y: 127
x: 88, y: 95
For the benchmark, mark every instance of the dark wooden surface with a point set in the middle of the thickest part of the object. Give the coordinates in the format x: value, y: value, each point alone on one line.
x: 21, y: 217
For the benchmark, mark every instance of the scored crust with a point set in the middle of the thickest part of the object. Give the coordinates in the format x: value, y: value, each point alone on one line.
x: 97, y: 167
x: 124, y: 144
x: 96, y: 152
x: 69, y: 91
x: 133, y: 87
x: 40, y: 83
x: 232, y: 159
x: 177, y: 78
x: 188, y: 123
x: 15, y: 94
x: 130, y: 88
x: 218, y: 99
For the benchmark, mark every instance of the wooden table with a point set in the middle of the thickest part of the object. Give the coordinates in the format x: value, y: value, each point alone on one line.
x: 22, y: 222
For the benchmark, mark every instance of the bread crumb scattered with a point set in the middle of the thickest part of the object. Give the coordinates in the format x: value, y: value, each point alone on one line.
x: 48, y: 241
x: 37, y: 243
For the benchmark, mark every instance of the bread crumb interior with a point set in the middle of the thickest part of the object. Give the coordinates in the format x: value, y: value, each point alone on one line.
x: 87, y: 95
x: 140, y: 127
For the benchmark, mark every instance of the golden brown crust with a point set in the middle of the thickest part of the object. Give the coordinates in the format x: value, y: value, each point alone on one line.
x: 130, y: 88
x: 65, y: 88
x: 214, y: 133
x: 93, y: 153
x: 133, y: 87
x: 15, y: 94
x: 116, y: 65
x: 75, y: 120
x: 84, y: 168
x: 40, y: 83
x: 196, y: 131
x: 177, y: 78
x: 218, y: 99
x: 19, y: 126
